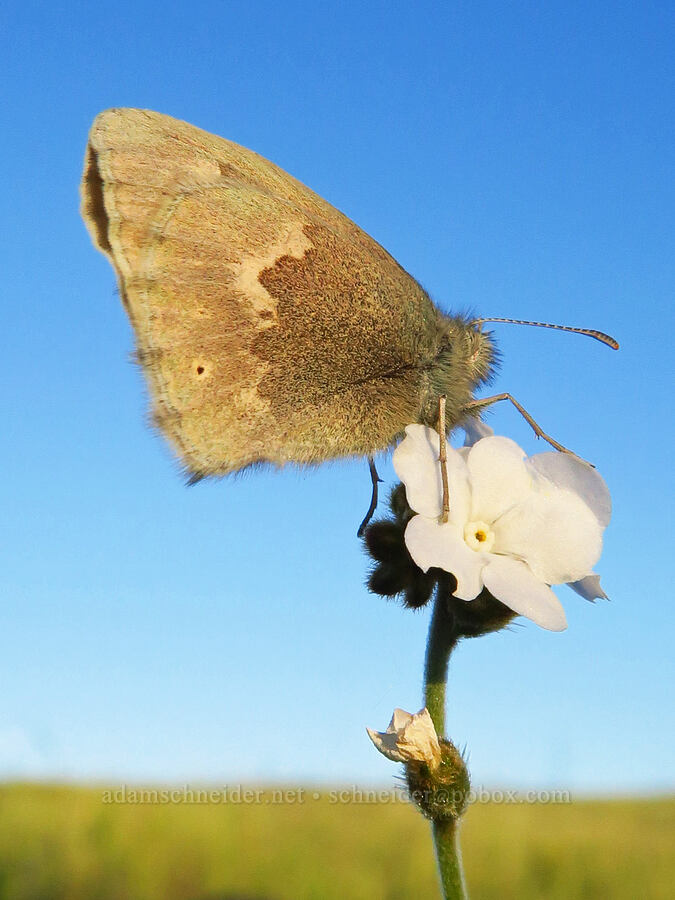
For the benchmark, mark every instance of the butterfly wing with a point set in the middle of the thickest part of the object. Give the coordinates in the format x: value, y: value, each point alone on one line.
x: 269, y: 326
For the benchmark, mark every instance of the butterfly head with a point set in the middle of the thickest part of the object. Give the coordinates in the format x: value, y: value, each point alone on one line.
x: 465, y: 358
x: 483, y: 356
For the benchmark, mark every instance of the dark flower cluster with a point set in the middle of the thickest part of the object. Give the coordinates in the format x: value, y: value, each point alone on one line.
x: 395, y: 575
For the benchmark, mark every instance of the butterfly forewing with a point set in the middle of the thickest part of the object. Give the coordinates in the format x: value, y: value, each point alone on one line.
x: 270, y: 327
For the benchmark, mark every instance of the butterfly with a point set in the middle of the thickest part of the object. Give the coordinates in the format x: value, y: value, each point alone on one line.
x: 270, y: 327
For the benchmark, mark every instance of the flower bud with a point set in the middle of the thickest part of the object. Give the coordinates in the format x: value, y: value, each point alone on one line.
x: 441, y: 793
x: 435, y: 772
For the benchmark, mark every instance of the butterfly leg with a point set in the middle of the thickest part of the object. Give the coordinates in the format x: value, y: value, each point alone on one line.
x: 443, y: 459
x: 488, y: 401
x: 373, y: 500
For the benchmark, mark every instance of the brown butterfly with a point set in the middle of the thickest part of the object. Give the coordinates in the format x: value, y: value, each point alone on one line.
x: 271, y: 328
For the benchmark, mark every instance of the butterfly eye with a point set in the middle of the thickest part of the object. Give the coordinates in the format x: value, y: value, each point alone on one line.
x: 476, y: 338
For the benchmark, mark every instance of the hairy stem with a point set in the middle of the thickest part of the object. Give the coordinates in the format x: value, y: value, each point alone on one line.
x: 443, y: 637
x: 441, y: 642
x: 449, y: 856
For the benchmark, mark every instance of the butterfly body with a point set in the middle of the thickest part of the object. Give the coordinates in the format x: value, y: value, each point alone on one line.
x: 269, y: 326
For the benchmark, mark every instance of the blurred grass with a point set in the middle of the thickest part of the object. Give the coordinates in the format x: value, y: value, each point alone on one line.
x: 65, y: 843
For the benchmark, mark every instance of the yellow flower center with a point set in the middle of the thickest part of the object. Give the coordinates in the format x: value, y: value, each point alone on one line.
x: 479, y: 536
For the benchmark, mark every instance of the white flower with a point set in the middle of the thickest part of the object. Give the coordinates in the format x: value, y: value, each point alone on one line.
x: 516, y: 525
x: 589, y: 588
x: 409, y: 737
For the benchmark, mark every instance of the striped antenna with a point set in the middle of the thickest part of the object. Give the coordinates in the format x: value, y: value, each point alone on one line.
x: 598, y: 335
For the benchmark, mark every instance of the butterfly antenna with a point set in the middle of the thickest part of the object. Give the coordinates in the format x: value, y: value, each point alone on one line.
x: 598, y: 335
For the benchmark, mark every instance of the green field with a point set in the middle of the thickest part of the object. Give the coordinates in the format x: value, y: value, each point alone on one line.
x: 66, y: 843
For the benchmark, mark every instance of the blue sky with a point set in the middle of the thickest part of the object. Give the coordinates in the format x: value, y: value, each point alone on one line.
x: 518, y: 160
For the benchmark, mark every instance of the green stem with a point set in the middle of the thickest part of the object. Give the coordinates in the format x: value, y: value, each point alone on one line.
x: 440, y: 643
x: 443, y: 637
x: 449, y: 856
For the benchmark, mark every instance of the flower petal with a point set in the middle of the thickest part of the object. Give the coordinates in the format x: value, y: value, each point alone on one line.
x: 589, y: 588
x: 475, y: 430
x: 568, y: 471
x: 512, y: 582
x: 442, y: 546
x: 399, y: 719
x: 416, y: 464
x: 499, y: 477
x: 554, y: 532
x: 386, y: 743
x: 409, y: 737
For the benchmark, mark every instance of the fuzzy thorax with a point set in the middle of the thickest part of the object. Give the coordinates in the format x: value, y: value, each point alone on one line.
x: 464, y: 359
